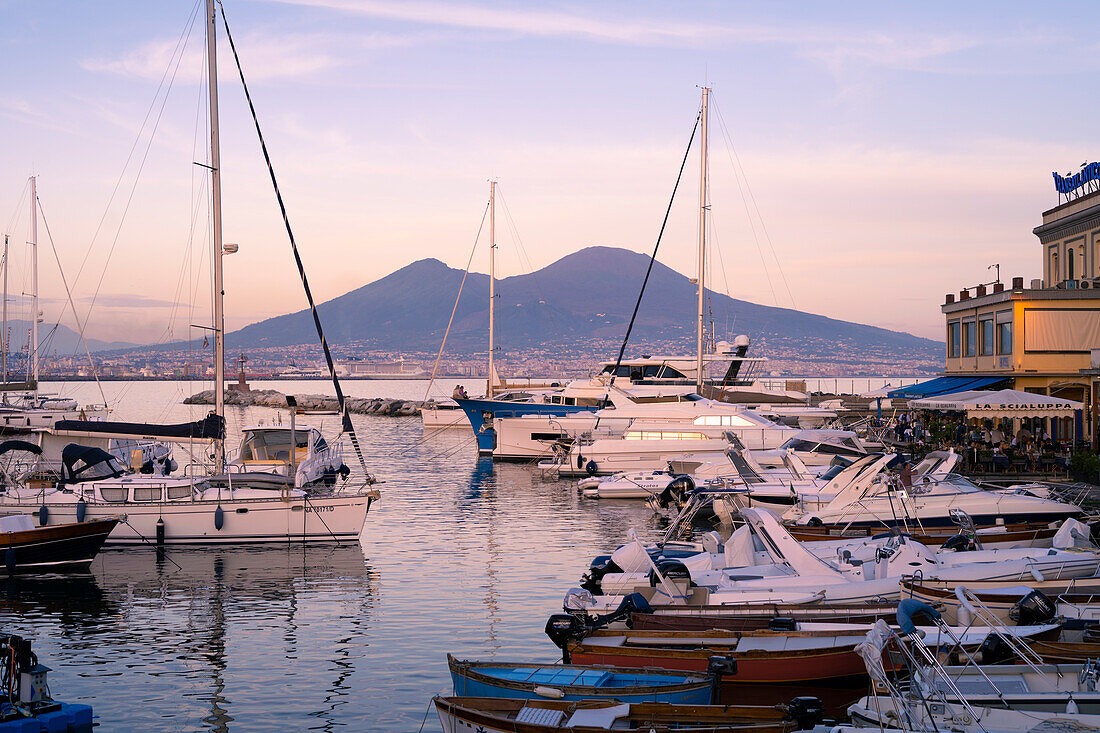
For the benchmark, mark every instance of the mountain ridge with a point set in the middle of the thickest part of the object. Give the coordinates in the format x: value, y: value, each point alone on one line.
x: 584, y: 295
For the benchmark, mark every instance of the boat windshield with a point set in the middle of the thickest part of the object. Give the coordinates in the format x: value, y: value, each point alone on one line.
x: 271, y: 445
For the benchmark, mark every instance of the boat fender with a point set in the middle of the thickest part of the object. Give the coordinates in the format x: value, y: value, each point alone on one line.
x: 959, y: 543
x: 591, y: 468
x: 1033, y: 609
x: 782, y: 623
x: 146, y: 468
x: 1071, y: 707
x: 43, y: 515
x: 81, y: 509
x: 344, y: 471
x: 580, y: 461
x: 807, y: 712
x: 672, y: 570
x: 219, y: 517
x: 994, y: 650
x: 562, y: 628
x: 910, y: 607
x: 160, y: 531
x: 169, y: 466
x: 9, y: 559
x: 550, y: 692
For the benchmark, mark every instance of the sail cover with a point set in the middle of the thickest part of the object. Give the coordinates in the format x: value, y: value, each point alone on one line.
x: 212, y: 427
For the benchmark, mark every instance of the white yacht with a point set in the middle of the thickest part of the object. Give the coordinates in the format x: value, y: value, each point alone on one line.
x: 662, y: 432
x: 185, y: 509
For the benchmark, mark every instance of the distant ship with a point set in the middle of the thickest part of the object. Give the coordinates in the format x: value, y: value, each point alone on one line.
x: 360, y: 369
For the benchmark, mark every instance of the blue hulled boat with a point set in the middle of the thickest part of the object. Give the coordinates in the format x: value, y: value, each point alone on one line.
x: 572, y: 682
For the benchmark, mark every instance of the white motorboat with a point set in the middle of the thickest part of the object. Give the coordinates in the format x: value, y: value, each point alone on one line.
x: 648, y: 443
x: 928, y: 502
x: 762, y: 563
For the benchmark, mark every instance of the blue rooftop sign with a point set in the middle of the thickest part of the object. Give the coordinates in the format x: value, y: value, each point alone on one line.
x: 1068, y: 184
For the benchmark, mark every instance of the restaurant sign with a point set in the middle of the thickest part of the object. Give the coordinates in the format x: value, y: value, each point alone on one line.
x: 1069, y: 184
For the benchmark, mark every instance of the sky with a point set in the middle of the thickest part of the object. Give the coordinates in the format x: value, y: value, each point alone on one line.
x: 866, y: 158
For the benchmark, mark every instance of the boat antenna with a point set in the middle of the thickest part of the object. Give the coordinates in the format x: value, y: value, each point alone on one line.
x: 345, y: 415
x: 649, y: 269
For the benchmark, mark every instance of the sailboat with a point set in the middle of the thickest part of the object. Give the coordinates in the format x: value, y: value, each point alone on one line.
x: 193, y: 509
x: 28, y: 409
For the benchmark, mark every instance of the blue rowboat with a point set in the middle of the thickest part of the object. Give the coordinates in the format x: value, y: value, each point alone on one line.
x: 576, y: 682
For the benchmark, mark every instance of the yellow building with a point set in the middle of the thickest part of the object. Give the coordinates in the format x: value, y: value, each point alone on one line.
x: 1038, y: 338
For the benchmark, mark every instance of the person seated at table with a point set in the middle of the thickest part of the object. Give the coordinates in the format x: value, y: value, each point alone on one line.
x: 1000, y: 460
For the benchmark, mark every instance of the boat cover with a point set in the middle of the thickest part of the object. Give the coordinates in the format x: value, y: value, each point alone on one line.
x: 73, y: 454
x: 944, y: 385
x: 9, y: 445
x: 211, y: 427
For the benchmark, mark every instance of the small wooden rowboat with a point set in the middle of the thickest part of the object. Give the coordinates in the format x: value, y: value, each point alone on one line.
x: 495, y: 715
x: 1077, y: 602
x: 758, y: 616
x: 1032, y: 534
x: 818, y: 653
x: 574, y: 682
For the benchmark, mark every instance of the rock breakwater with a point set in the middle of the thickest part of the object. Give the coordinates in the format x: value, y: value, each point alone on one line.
x: 273, y: 398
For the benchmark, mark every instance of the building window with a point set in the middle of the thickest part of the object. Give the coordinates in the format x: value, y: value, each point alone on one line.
x: 1055, y: 276
x: 985, y: 340
x: 953, y: 340
x: 1004, y: 332
x: 1069, y: 263
x: 969, y: 338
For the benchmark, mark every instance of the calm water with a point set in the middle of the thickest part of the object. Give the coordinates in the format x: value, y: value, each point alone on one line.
x: 459, y: 556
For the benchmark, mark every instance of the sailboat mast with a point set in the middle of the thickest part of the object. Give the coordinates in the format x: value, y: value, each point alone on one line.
x: 702, y: 236
x: 216, y: 208
x: 492, y: 281
x: 4, y: 336
x: 34, y: 285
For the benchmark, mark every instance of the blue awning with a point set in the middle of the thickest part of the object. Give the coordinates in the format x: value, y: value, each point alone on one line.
x: 945, y: 385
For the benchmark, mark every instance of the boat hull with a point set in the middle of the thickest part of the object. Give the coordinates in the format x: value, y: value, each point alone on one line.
x: 533, y: 681
x: 297, y: 519
x: 61, y: 547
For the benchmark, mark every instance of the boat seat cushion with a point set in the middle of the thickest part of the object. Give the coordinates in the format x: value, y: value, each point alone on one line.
x: 539, y: 716
x: 597, y: 717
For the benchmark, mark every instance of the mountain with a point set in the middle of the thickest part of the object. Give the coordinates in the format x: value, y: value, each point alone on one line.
x: 586, y: 295
x: 57, y: 340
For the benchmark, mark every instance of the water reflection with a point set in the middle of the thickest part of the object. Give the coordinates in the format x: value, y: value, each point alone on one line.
x: 204, y: 637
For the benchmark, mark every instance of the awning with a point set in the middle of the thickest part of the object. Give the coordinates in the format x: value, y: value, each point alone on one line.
x: 944, y: 385
x: 1000, y: 403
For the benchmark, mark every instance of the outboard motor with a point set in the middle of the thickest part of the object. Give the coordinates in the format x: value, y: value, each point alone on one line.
x: 578, y: 601
x: 563, y: 628
x: 782, y: 623
x: 1033, y: 609
x: 717, y: 668
x: 994, y: 650
x: 959, y: 543
x: 673, y: 571
x: 677, y: 489
x: 807, y: 712
x: 630, y: 604
x: 601, y: 566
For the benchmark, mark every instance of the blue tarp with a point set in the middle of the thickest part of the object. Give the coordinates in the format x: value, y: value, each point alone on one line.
x: 944, y: 385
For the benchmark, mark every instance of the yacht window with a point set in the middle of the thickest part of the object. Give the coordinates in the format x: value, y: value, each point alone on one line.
x: 179, y: 492
x: 798, y: 444
x: 833, y: 471
x: 735, y: 421
x: 148, y: 493
x: 112, y: 494
x: 271, y: 445
x: 834, y: 450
